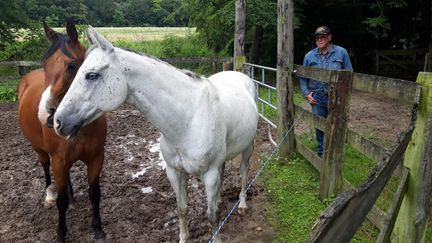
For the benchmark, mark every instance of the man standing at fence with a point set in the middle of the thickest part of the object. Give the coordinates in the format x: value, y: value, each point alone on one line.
x: 325, y: 55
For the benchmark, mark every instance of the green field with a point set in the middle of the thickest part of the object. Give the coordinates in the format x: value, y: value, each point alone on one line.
x: 139, y: 34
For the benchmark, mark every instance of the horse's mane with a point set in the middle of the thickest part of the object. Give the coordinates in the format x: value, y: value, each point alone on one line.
x: 60, y: 43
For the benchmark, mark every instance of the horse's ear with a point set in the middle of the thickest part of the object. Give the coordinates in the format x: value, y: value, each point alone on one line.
x: 96, y: 38
x: 50, y: 33
x: 71, y: 30
x: 90, y: 36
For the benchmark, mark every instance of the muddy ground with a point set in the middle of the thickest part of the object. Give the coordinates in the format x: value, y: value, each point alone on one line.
x: 138, y: 204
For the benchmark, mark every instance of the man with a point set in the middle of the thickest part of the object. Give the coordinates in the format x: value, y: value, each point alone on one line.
x: 325, y: 55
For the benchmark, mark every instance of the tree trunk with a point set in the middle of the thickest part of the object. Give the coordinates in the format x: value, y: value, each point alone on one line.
x: 256, y: 45
x: 239, y: 35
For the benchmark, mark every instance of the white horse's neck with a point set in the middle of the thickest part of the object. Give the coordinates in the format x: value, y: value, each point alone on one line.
x: 165, y: 95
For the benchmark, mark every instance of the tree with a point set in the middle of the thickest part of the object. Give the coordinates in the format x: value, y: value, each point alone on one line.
x: 138, y: 12
x: 12, y: 18
x: 101, y: 12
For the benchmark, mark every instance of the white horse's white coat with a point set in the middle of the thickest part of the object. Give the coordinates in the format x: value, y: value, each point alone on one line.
x: 204, y: 122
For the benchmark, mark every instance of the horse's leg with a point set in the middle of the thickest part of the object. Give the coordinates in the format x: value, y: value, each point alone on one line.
x: 213, y: 182
x: 61, y: 173
x: 244, y: 168
x: 70, y: 193
x: 50, y: 195
x: 178, y: 182
x: 94, y: 168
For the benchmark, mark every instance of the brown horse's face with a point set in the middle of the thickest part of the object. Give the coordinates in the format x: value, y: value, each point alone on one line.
x: 60, y: 64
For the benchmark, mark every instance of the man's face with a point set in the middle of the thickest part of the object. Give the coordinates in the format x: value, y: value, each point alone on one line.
x: 322, y: 41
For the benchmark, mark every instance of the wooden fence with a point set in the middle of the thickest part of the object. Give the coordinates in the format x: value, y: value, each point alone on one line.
x: 350, y: 209
x: 404, y: 59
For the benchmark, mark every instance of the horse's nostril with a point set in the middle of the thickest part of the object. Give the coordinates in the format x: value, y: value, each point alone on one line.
x: 58, y: 126
x: 50, y: 118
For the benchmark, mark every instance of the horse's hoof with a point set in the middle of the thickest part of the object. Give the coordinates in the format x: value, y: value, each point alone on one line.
x: 49, y: 204
x: 102, y: 240
x: 242, y: 211
x: 100, y: 237
x: 60, y: 241
x: 73, y: 204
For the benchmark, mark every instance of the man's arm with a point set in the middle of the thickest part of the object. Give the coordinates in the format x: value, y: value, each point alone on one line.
x: 346, y: 61
x: 304, y: 82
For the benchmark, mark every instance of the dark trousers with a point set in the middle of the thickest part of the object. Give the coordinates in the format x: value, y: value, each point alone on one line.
x: 321, y: 109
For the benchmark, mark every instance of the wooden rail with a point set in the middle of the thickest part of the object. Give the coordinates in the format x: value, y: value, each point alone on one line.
x: 404, y: 59
x: 376, y: 216
x: 362, y: 144
x: 21, y: 68
x: 349, y: 210
x: 407, y: 92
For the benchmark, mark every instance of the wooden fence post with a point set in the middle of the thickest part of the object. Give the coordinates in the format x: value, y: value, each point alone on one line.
x: 339, y: 88
x: 239, y: 35
x: 412, y: 219
x: 284, y: 85
x: 226, y: 66
x: 21, y: 70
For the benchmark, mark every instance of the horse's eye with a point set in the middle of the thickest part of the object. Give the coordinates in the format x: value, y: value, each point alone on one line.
x: 72, y: 66
x: 92, y: 76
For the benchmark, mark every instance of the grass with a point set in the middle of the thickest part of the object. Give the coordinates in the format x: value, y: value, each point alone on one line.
x: 292, y: 191
x: 293, y: 194
x: 8, y: 90
x: 270, y: 95
x: 139, y: 34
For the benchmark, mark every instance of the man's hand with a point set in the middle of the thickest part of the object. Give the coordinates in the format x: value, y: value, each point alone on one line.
x: 311, y: 99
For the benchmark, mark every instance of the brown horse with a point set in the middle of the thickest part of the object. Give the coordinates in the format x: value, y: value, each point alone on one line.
x: 39, y: 93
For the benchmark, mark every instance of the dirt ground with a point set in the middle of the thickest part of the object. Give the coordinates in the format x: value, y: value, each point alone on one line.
x: 138, y: 204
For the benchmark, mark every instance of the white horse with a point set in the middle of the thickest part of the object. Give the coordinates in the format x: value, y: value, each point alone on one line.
x: 203, y: 122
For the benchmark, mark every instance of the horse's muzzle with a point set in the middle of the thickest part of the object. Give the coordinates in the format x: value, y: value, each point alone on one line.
x: 68, y: 130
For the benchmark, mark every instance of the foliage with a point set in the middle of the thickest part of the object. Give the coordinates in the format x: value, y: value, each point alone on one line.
x: 26, y: 13
x: 191, y: 46
x: 30, y: 49
x: 8, y: 95
x: 153, y: 48
x: 12, y: 19
x: 8, y: 91
x: 173, y: 44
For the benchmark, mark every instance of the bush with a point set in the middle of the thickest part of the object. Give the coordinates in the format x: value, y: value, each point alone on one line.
x: 8, y: 94
x: 189, y: 46
x: 153, y: 48
x: 29, y: 49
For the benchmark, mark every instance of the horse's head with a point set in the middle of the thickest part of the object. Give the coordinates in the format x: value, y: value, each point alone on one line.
x: 60, y: 65
x: 99, y: 86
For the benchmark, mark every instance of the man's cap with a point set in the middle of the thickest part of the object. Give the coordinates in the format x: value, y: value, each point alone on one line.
x: 322, y: 30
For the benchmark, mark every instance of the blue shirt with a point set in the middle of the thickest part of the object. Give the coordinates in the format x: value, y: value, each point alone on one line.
x: 336, y: 58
